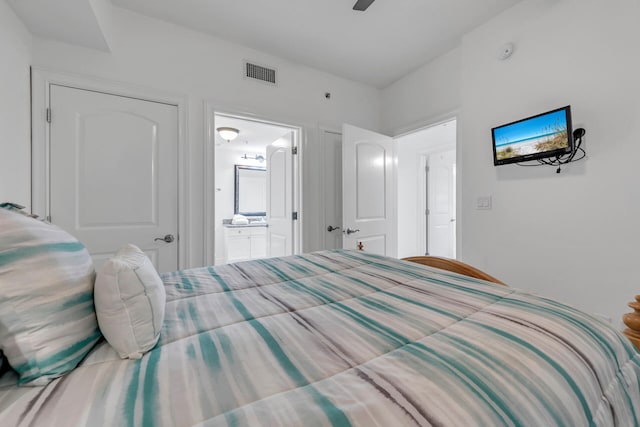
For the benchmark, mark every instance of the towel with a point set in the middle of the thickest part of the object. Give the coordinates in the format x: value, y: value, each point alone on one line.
x: 239, y: 220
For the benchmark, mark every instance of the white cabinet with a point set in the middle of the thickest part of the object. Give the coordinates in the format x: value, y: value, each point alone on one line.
x: 245, y: 243
x: 259, y: 244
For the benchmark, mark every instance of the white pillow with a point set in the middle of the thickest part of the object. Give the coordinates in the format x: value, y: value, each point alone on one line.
x: 130, y: 300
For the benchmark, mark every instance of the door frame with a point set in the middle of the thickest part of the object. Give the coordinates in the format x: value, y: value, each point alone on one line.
x: 41, y: 82
x: 211, y: 108
x: 422, y: 183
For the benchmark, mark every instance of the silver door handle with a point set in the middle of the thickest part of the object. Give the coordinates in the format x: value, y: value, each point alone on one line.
x: 452, y: 220
x: 168, y: 238
x: 350, y: 231
x: 331, y: 228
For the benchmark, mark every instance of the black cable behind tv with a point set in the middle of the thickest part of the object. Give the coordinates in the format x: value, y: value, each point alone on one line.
x: 564, y: 159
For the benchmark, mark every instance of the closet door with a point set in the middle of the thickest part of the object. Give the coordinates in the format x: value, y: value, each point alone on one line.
x: 332, y: 201
x: 114, y: 173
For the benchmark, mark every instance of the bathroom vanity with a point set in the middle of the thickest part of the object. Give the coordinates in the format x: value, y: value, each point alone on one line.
x: 245, y: 241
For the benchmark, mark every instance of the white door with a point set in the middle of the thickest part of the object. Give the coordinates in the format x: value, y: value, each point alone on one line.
x: 280, y: 197
x: 441, y: 184
x: 114, y: 173
x: 332, y: 228
x: 367, y: 191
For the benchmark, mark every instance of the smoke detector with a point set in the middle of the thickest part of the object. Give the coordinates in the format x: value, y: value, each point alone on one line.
x: 506, y: 50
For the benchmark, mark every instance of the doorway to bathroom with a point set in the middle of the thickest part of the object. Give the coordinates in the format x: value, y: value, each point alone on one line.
x: 255, y: 188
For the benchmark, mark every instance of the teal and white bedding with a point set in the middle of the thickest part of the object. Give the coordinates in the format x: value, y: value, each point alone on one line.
x: 342, y: 338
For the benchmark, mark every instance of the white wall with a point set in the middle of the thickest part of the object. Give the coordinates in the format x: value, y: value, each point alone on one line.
x: 15, y: 142
x: 155, y: 54
x: 428, y: 95
x: 409, y: 151
x: 571, y: 236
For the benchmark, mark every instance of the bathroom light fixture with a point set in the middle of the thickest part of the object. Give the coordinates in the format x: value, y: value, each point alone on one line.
x: 228, y: 134
x: 257, y: 157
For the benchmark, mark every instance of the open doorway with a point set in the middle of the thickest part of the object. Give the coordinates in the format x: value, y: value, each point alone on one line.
x: 255, y: 178
x: 427, y: 168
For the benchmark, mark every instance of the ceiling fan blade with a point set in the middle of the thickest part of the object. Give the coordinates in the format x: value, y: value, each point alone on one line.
x: 362, y: 5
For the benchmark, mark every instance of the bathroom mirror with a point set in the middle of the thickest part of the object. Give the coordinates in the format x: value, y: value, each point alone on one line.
x: 250, y: 191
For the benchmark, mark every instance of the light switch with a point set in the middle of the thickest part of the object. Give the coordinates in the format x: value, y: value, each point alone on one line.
x: 483, y: 203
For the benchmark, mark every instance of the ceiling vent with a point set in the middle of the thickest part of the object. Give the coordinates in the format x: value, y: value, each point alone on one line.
x: 260, y: 73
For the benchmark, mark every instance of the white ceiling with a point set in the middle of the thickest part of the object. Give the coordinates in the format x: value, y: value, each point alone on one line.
x: 376, y: 47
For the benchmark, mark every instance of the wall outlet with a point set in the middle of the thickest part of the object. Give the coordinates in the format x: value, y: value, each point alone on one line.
x: 483, y: 203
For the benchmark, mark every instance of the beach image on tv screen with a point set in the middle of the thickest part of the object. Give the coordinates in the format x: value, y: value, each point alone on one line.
x: 536, y: 135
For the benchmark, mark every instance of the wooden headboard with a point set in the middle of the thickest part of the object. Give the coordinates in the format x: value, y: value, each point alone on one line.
x: 453, y: 265
x: 632, y: 320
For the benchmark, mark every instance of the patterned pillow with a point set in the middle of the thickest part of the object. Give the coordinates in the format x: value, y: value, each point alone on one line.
x: 46, y: 298
x: 130, y: 301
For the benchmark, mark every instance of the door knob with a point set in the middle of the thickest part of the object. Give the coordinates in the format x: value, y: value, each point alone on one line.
x: 350, y: 231
x: 331, y: 228
x: 168, y: 238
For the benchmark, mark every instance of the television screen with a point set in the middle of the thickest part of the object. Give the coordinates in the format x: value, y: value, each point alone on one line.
x: 545, y: 135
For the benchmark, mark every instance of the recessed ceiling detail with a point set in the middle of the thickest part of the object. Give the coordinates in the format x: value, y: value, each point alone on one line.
x: 78, y: 22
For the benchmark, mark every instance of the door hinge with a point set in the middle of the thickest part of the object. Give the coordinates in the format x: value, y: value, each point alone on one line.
x: 426, y: 169
x: 48, y: 115
x: 294, y: 150
x: 294, y: 216
x: 48, y: 218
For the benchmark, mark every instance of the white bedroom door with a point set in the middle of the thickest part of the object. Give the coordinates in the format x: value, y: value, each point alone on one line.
x: 441, y: 192
x: 114, y: 173
x: 368, y: 193
x: 332, y: 200
x: 280, y: 197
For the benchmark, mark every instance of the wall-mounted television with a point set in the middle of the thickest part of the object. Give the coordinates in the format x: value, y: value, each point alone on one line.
x: 544, y: 135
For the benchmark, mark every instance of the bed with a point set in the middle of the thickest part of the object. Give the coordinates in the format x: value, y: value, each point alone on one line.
x: 347, y: 338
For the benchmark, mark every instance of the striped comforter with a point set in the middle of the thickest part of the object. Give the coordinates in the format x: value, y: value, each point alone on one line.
x: 348, y: 338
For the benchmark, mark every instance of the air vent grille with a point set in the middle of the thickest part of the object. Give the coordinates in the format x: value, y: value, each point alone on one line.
x: 258, y: 72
